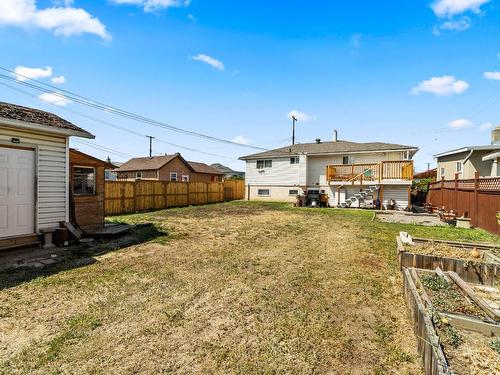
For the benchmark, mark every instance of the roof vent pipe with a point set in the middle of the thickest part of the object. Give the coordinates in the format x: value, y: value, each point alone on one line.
x: 318, y: 140
x: 335, y: 135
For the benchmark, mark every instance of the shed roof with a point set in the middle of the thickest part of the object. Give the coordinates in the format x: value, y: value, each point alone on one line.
x: 102, y: 162
x: 35, y: 116
x: 329, y: 148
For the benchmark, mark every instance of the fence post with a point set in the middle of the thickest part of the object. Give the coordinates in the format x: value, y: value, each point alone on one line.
x: 456, y: 195
x: 442, y: 191
x: 475, y: 219
x: 206, y: 185
x: 135, y: 193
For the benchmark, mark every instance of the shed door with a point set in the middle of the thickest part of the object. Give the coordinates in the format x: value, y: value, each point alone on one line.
x: 17, y: 192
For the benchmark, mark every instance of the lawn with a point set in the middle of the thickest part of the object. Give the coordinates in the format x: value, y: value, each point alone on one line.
x: 238, y: 287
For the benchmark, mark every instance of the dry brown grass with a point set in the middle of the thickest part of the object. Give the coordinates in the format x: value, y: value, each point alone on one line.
x: 235, y: 288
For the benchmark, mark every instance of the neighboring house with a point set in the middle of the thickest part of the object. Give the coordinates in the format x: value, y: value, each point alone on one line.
x: 87, y: 190
x: 110, y: 174
x: 167, y: 168
x: 228, y: 172
x: 339, y: 168
x: 34, y: 172
x: 468, y: 160
x: 430, y: 173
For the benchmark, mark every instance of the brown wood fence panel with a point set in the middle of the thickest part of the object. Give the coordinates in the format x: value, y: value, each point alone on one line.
x: 478, y: 199
x: 122, y: 197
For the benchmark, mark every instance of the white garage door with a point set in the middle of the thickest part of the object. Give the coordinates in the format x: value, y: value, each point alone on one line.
x: 17, y: 192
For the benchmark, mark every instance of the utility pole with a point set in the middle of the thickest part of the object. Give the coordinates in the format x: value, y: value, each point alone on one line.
x: 294, y: 120
x: 150, y: 144
x: 428, y: 166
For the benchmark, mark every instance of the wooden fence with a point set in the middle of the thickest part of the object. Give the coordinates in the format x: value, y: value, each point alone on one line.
x: 477, y: 198
x: 121, y: 197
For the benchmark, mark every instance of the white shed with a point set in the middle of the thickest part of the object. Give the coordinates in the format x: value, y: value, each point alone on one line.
x: 34, y: 172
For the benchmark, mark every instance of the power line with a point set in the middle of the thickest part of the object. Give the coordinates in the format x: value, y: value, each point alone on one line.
x: 118, y: 126
x: 68, y: 95
x: 102, y: 148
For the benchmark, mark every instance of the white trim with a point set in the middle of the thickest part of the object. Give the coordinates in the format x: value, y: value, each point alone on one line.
x: 491, y: 156
x: 170, y: 176
x: 95, y: 179
x: 44, y: 128
x: 309, y: 154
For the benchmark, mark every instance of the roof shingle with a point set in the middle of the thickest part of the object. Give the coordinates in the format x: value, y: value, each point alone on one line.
x: 36, y: 116
x: 328, y: 148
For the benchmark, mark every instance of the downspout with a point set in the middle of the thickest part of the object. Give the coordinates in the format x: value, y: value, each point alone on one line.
x: 465, y: 161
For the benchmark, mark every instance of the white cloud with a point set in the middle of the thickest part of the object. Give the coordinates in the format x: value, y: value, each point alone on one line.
x: 153, y: 5
x: 241, y: 139
x: 498, y: 55
x: 54, y: 98
x: 460, y: 124
x: 301, y: 116
x: 249, y: 94
x: 59, y: 80
x: 450, y: 8
x: 66, y: 21
x: 441, y: 86
x: 355, y: 40
x: 458, y: 25
x: 214, y: 63
x: 23, y: 73
x: 492, y: 75
x: 486, y: 126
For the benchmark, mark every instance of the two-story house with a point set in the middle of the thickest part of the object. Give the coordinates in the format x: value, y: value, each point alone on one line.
x: 466, y: 161
x: 340, y: 168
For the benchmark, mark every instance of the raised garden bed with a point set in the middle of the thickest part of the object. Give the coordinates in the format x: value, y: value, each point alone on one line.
x: 451, y: 256
x: 457, y: 331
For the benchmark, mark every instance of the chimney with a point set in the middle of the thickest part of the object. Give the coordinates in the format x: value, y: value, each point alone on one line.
x: 495, y: 136
x: 335, y: 135
x: 318, y: 140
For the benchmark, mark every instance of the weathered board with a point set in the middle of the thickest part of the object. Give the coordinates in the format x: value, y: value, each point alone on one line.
x: 480, y: 273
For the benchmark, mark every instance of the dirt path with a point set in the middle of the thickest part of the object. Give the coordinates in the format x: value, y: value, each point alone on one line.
x: 234, y: 289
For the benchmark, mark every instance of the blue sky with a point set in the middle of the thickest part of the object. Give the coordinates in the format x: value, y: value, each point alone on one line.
x: 422, y: 73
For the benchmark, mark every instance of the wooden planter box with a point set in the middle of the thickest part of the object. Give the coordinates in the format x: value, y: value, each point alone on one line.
x: 486, y: 272
x: 428, y: 341
x: 428, y: 345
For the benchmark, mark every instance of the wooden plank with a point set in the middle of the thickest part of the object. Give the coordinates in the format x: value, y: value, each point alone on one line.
x: 472, y: 295
x: 473, y: 324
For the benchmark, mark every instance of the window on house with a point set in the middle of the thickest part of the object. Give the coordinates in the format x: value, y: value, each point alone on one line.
x: 294, y: 160
x: 185, y: 178
x: 173, y: 176
x: 261, y: 164
x: 83, y: 180
x: 459, y: 166
x: 263, y: 192
x: 442, y: 172
x: 293, y: 192
x: 138, y: 174
x: 347, y: 160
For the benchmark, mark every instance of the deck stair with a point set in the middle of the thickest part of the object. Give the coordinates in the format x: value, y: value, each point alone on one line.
x: 363, y: 199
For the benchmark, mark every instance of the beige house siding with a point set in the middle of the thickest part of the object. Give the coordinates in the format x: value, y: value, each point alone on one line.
x: 51, y: 155
x: 447, y: 165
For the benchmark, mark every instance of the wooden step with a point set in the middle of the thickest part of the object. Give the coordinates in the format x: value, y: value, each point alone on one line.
x: 30, y: 240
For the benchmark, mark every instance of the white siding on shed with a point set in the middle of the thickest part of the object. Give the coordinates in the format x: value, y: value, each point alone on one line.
x: 51, y: 159
x: 398, y: 193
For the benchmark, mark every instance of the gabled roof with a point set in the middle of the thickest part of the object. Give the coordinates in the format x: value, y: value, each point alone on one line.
x: 330, y: 148
x: 37, y: 117
x: 467, y: 149
x: 203, y: 168
x: 226, y: 170
x: 147, y: 163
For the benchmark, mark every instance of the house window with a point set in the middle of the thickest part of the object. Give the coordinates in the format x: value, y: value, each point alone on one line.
x: 185, y: 178
x: 138, y: 175
x: 173, y: 176
x: 261, y: 164
x: 83, y: 180
x: 442, y: 172
x: 347, y: 160
x: 294, y: 160
x: 263, y: 192
x: 293, y: 192
x: 459, y: 167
